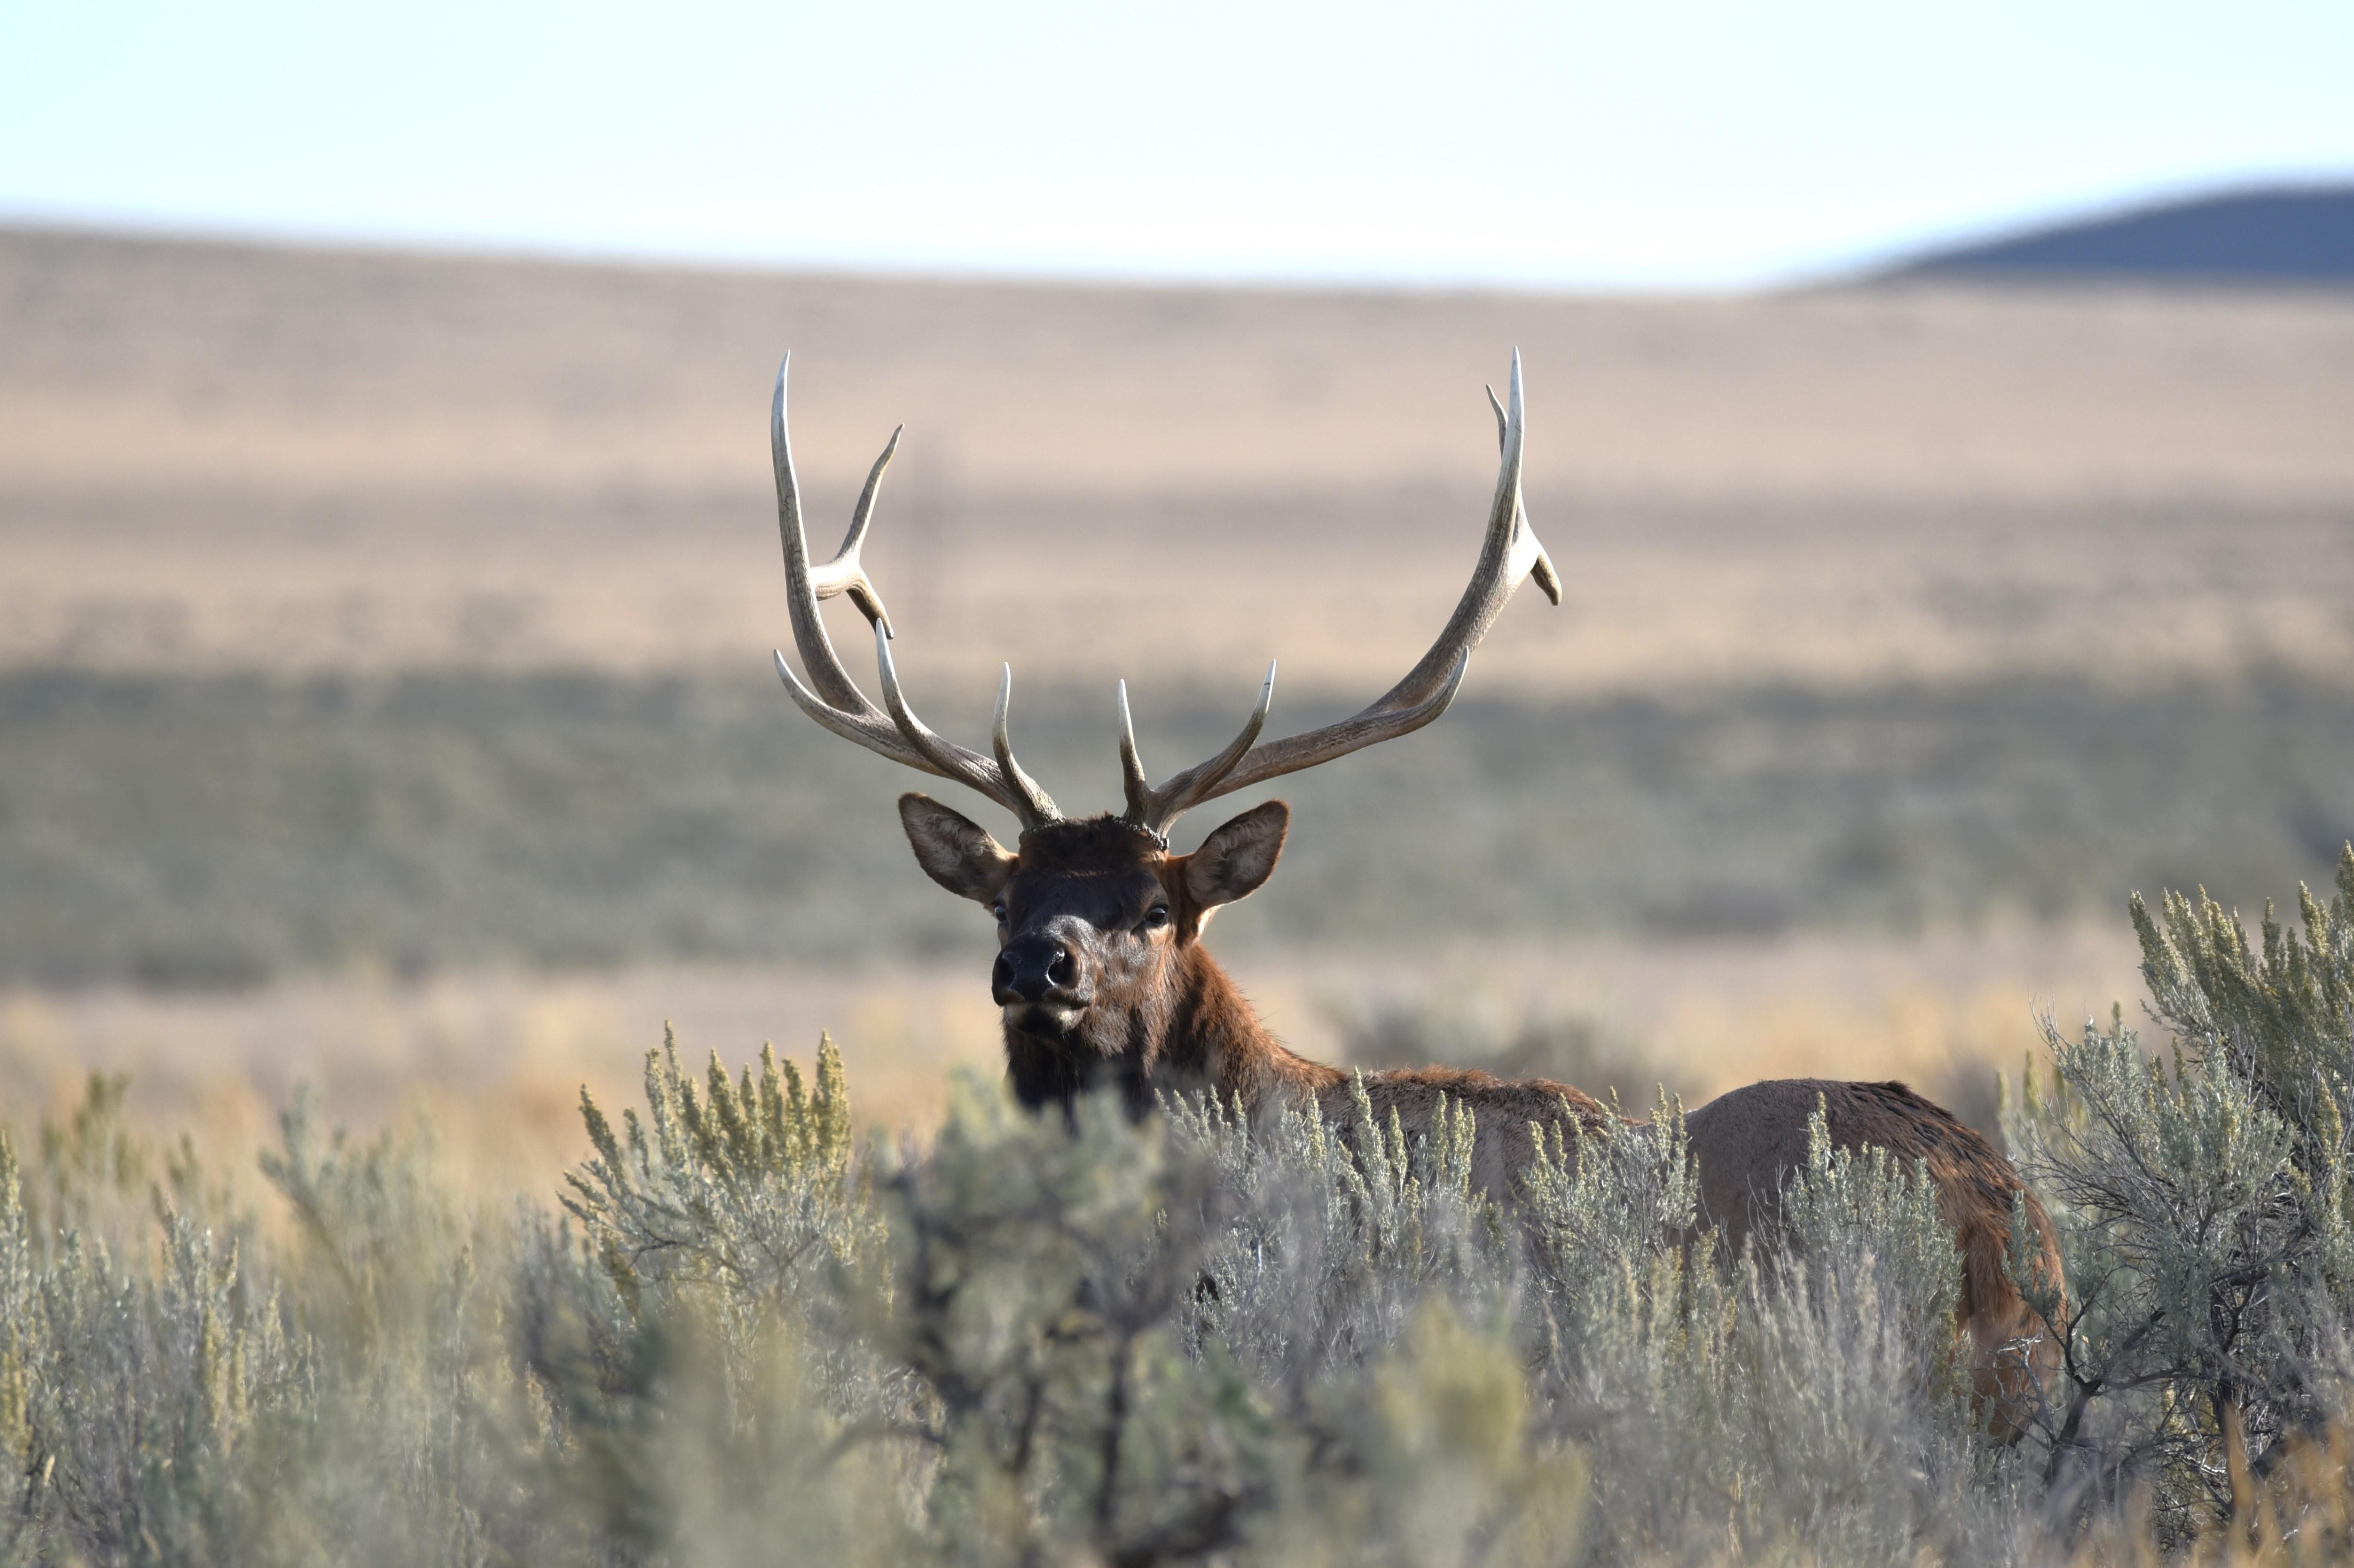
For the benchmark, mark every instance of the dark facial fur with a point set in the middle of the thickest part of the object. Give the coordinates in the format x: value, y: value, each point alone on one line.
x: 1099, y: 971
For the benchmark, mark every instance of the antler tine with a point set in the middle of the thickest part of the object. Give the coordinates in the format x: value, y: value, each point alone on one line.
x: 1041, y: 805
x: 1132, y: 780
x: 836, y: 702
x: 1509, y: 552
x: 884, y: 739
x: 1154, y: 809
x: 854, y: 580
x: 807, y: 583
x: 948, y: 757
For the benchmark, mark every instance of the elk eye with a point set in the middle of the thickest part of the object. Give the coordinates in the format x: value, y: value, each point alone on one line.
x: 998, y: 909
x: 1156, y: 918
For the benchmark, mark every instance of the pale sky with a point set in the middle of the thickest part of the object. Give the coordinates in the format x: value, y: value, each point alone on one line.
x: 1645, y: 144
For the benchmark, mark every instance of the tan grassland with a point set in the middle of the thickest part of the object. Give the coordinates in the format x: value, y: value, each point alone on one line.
x: 217, y: 457
x: 497, y: 1061
x: 223, y: 456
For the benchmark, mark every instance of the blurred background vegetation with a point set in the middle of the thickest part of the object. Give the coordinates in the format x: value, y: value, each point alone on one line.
x: 229, y: 830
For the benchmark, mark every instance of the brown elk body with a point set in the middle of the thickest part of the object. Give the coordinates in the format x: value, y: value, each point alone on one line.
x: 1104, y: 983
x: 1746, y: 1143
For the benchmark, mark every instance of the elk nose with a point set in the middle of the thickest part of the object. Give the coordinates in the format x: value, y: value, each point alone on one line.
x: 1032, y: 969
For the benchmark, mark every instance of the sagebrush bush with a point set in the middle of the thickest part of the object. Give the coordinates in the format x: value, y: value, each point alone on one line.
x: 2206, y: 1213
x: 740, y: 1337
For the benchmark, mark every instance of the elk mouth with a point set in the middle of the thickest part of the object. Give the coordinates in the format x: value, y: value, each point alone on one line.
x: 1052, y: 1018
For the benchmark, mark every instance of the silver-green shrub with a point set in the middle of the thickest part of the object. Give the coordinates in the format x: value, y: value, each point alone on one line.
x: 1807, y: 1402
x: 1184, y: 1340
x: 748, y: 1185
x: 2205, y: 1212
x: 739, y: 1337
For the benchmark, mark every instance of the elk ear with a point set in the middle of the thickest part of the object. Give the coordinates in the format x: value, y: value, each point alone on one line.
x: 1238, y: 857
x: 953, y: 849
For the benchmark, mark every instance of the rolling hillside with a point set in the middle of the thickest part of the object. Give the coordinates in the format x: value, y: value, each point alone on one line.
x: 2302, y: 234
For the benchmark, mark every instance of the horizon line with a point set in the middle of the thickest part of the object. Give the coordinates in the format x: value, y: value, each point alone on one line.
x: 1880, y: 263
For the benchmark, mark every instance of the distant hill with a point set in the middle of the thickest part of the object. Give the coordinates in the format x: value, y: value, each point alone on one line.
x: 2304, y: 235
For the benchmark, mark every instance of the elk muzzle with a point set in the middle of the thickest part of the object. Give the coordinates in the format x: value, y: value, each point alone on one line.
x: 1041, y: 973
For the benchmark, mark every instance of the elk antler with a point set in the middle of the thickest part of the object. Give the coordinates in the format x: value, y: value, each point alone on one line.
x: 1509, y: 552
x: 837, y: 703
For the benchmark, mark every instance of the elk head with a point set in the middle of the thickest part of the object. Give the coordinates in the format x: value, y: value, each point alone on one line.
x: 1099, y: 964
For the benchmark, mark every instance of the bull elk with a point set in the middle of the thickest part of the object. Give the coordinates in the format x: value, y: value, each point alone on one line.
x: 1103, y: 982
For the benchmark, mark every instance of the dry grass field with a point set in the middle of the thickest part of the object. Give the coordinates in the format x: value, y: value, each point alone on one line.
x: 1907, y: 629
x: 495, y: 1060
x: 254, y: 458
